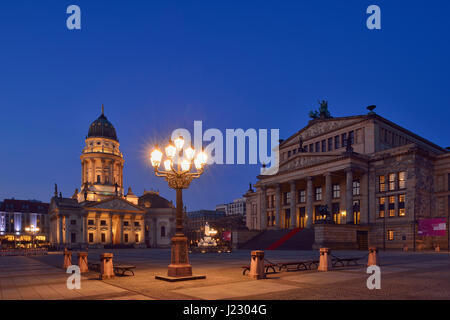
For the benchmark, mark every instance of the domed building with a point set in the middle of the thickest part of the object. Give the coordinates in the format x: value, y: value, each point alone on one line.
x: 101, y: 214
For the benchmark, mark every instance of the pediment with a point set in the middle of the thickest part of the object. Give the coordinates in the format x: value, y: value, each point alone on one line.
x: 305, y: 160
x: 319, y: 127
x: 115, y: 204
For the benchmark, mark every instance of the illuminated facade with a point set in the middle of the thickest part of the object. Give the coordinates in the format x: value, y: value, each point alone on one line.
x: 101, y: 214
x: 376, y: 178
x: 18, y: 216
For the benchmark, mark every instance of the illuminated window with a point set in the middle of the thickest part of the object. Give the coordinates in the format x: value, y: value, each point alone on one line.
x: 318, y: 193
x: 301, y: 196
x: 336, y: 191
x: 356, y: 212
x: 356, y: 188
x: 392, y: 181
x: 286, y: 198
x: 401, y: 205
x: 390, y: 235
x: 402, y: 180
x: 382, y: 183
x: 381, y: 207
x: 392, y: 206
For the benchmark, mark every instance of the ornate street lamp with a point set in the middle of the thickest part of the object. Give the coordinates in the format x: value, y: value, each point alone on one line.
x: 33, y: 230
x: 179, y: 177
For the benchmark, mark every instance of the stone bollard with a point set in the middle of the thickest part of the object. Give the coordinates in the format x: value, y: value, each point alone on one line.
x: 373, y: 257
x: 106, y: 266
x: 83, y: 261
x: 437, y: 248
x: 257, y: 265
x: 67, y: 258
x: 325, y: 260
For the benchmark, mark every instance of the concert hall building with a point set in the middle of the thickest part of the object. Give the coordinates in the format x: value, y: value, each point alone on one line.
x: 377, y: 179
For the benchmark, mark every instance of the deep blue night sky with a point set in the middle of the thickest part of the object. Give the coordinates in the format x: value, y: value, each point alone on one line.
x: 160, y: 65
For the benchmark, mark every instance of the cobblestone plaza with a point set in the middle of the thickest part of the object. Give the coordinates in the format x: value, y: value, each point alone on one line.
x: 404, y: 275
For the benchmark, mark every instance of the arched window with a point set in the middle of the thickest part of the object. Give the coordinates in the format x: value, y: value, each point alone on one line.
x: 163, y: 231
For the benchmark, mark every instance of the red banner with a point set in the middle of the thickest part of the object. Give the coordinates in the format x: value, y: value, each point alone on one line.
x: 432, y: 227
x: 226, y: 236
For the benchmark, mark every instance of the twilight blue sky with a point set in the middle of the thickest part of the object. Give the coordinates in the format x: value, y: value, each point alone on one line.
x: 160, y: 65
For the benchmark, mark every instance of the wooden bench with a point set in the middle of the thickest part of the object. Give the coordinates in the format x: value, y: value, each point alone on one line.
x: 299, y: 265
x: 121, y: 269
x: 94, y: 267
x: 336, y: 262
x: 267, y: 267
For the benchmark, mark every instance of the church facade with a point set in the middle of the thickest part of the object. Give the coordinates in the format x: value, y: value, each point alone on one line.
x: 377, y: 180
x: 101, y: 214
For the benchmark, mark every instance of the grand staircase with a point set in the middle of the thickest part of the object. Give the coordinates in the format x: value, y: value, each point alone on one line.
x: 295, y: 239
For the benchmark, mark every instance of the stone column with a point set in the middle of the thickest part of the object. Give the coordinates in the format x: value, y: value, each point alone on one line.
x: 154, y: 233
x: 113, y: 178
x: 277, y: 206
x: 84, y: 229
x: 82, y: 172
x: 91, y: 173
x: 60, y: 230
x: 309, y: 201
x: 364, y: 198
x: 263, y: 213
x: 111, y: 239
x: 97, y: 233
x: 133, y: 232
x: 121, y: 229
x: 328, y: 191
x: 293, y: 209
x: 349, y: 196
x: 66, y: 225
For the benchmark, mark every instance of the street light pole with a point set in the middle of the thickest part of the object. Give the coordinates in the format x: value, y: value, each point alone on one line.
x: 178, y: 178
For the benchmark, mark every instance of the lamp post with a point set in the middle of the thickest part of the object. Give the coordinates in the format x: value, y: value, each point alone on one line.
x: 33, y: 230
x: 179, y: 177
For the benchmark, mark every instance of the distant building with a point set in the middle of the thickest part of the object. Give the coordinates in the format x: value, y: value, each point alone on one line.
x: 17, y: 215
x: 236, y: 208
x: 197, y: 219
x: 222, y: 208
